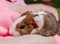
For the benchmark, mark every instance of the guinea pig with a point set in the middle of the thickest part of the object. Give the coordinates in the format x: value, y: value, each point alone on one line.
x: 40, y: 23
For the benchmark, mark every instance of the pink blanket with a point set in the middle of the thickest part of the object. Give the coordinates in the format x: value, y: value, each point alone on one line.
x: 7, y: 17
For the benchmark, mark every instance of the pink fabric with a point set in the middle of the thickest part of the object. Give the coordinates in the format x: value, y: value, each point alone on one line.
x: 7, y: 16
x: 3, y: 31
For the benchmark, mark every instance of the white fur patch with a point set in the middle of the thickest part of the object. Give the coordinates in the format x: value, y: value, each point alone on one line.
x: 13, y: 26
x: 40, y: 19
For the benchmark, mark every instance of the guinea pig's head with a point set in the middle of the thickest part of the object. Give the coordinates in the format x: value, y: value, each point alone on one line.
x: 39, y: 23
x: 23, y: 25
x: 26, y: 25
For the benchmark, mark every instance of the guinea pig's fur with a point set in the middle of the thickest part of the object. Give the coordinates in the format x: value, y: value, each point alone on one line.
x: 50, y: 27
x: 28, y: 24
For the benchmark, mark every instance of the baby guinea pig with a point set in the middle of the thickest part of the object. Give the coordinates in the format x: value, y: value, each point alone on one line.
x: 40, y: 23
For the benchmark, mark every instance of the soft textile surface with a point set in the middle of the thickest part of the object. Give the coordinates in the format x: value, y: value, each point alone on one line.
x: 7, y: 17
x: 16, y: 5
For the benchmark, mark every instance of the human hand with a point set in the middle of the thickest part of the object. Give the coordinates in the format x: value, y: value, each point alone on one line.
x: 27, y: 39
x: 42, y: 7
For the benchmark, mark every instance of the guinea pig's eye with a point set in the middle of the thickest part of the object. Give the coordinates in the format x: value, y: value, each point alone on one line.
x: 22, y: 26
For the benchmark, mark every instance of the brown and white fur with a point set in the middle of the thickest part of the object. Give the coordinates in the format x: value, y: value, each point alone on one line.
x: 26, y: 24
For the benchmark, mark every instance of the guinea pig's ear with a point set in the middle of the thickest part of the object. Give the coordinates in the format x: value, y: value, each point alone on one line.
x: 50, y: 27
x: 26, y: 13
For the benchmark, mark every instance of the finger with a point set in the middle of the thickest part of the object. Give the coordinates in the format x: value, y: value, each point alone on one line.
x: 27, y: 39
x: 49, y: 9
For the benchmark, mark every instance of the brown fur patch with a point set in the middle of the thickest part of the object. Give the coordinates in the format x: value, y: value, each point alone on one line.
x: 28, y: 25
